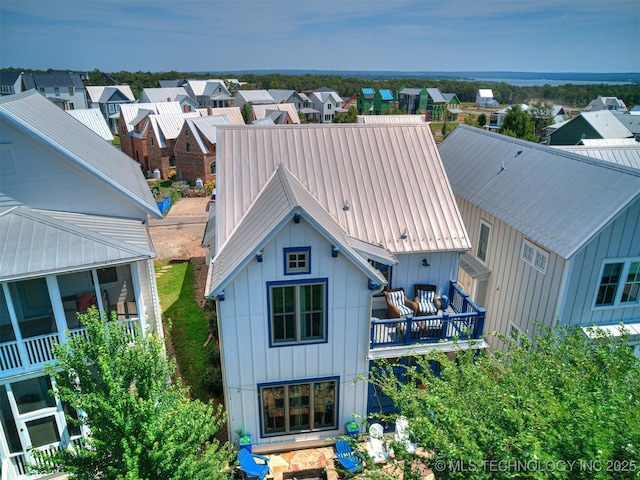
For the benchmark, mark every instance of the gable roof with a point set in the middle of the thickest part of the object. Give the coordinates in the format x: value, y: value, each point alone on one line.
x: 102, y: 94
x: 206, y: 127
x: 8, y: 77
x: 603, y: 122
x: 390, y: 119
x: 436, y: 95
x: 262, y: 111
x: 630, y: 122
x: 255, y: 96
x: 551, y: 196
x: 42, y: 120
x: 52, y: 79
x: 168, y: 127
x: 386, y: 95
x: 485, y: 93
x: 233, y: 114
x: 280, y: 96
x: 324, y: 96
x: 93, y: 119
x: 383, y: 184
x: 133, y: 113
x: 282, y: 196
x: 39, y: 242
x: 411, y: 91
x: 160, y: 95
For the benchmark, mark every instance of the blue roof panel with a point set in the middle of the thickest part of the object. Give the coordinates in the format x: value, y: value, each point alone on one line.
x: 386, y: 94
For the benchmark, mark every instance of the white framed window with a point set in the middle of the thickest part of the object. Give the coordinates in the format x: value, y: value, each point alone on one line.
x: 56, y: 90
x: 619, y: 283
x: 483, y: 240
x: 516, y: 333
x: 535, y: 256
x: 297, y: 260
x: 297, y: 312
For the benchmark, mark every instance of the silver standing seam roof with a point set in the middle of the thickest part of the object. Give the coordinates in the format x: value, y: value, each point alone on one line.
x: 39, y: 242
x: 628, y: 155
x: 383, y: 184
x: 38, y: 117
x: 92, y: 118
x: 553, y: 197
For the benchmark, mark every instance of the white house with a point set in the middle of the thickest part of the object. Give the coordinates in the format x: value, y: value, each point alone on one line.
x: 612, y: 104
x: 326, y: 103
x: 108, y: 100
x: 209, y: 93
x: 312, y: 222
x: 74, y: 233
x: 555, y: 235
x: 252, y: 97
x: 65, y: 89
x: 484, y: 98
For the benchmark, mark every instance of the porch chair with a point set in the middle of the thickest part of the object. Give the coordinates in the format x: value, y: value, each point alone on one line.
x: 426, y: 299
x: 352, y: 461
x: 398, y: 305
x: 402, y: 435
x: 376, y: 445
x: 250, y: 467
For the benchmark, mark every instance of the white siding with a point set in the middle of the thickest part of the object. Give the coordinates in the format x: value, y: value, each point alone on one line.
x: 517, y: 292
x: 619, y: 240
x: 244, y: 330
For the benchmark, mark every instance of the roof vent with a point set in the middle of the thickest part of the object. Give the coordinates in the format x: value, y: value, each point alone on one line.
x: 346, y: 206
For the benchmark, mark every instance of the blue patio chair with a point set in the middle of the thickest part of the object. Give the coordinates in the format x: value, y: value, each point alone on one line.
x: 250, y: 467
x: 351, y: 460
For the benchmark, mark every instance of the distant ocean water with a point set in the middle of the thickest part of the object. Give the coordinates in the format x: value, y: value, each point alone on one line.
x: 538, y: 82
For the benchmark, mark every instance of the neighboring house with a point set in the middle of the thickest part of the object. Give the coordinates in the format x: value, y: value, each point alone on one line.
x: 280, y: 113
x: 484, y: 99
x: 194, y: 150
x: 299, y: 100
x: 436, y: 105
x: 74, y: 233
x: 108, y: 100
x: 92, y: 118
x: 497, y: 118
x: 412, y: 100
x: 327, y: 103
x: 453, y: 106
x: 252, y: 97
x: 587, y: 125
x: 162, y: 132
x: 133, y: 128
x: 631, y: 122
x: 612, y: 104
x: 383, y: 101
x: 322, y: 219
x: 175, y: 94
x: 209, y: 93
x: 365, y: 101
x: 554, y: 234
x: 10, y: 82
x: 65, y: 89
x: 390, y: 119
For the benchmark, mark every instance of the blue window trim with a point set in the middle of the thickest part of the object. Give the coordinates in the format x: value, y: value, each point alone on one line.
x: 306, y: 281
x: 335, y: 378
x: 286, y: 251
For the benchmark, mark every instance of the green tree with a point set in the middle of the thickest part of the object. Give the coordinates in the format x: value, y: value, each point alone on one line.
x: 143, y: 426
x: 482, y: 120
x: 246, y: 113
x: 518, y: 123
x: 542, y: 116
x: 559, y: 400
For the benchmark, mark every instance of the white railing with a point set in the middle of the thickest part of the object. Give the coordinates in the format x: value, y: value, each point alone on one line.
x: 33, y: 352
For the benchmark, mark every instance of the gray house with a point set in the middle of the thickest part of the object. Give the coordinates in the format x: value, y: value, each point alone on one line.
x: 65, y: 89
x: 555, y: 236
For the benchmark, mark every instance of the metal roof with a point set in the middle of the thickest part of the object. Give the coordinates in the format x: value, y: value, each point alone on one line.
x: 280, y: 96
x: 168, y: 127
x: 233, y: 114
x: 9, y: 78
x: 485, y: 92
x: 282, y: 196
x: 255, y: 96
x: 162, y: 95
x: 260, y: 111
x: 216, y: 89
x: 323, y: 96
x: 42, y: 120
x: 101, y: 94
x: 627, y: 155
x: 411, y: 91
x: 631, y: 121
x: 39, y: 242
x: 133, y: 113
x: 52, y: 79
x: 390, y: 119
x: 206, y: 127
x: 606, y: 124
x: 553, y: 197
x: 436, y: 95
x: 92, y: 118
x: 384, y: 184
x: 386, y: 95
x: 473, y: 266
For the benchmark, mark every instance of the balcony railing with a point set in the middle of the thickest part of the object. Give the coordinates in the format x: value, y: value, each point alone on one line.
x: 33, y: 352
x: 463, y: 320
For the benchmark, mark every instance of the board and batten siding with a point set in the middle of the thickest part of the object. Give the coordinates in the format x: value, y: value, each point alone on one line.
x: 244, y: 332
x: 149, y: 290
x: 618, y: 240
x: 516, y: 292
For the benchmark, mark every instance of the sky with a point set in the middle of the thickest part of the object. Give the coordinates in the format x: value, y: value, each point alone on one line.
x: 345, y: 35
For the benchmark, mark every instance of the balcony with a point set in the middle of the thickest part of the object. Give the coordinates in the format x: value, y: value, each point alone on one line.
x: 32, y: 353
x: 462, y: 321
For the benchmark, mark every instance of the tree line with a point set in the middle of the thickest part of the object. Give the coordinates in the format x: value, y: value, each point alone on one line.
x: 569, y: 95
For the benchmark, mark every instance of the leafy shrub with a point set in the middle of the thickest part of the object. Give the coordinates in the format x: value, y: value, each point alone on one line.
x: 212, y: 381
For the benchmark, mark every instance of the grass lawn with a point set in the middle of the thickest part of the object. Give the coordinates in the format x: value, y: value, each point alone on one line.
x: 186, y: 323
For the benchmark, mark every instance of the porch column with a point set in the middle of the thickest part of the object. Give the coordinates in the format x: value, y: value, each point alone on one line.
x: 56, y: 304
x: 24, y: 358
x: 137, y: 290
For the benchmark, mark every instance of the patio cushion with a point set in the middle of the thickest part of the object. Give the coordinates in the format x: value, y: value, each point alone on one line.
x: 398, y: 300
x: 426, y: 303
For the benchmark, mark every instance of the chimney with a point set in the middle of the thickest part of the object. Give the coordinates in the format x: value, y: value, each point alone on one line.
x: 209, y: 110
x: 185, y: 108
x: 168, y: 99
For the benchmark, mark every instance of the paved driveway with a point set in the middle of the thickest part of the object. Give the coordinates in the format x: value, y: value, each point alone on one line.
x: 179, y: 234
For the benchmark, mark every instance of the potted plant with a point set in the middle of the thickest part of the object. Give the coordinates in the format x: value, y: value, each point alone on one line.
x: 244, y: 439
x: 352, y: 428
